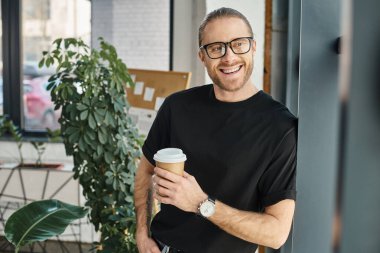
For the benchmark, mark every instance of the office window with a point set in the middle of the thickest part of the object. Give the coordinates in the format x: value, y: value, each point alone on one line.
x: 43, y: 21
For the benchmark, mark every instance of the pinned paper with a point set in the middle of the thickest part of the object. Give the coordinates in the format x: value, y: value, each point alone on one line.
x: 133, y: 77
x: 148, y: 95
x: 159, y: 102
x: 139, y: 87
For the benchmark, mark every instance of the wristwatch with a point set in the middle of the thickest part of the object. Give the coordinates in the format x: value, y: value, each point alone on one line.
x: 207, y: 207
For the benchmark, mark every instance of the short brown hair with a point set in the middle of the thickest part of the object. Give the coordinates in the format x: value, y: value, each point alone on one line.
x: 220, y: 13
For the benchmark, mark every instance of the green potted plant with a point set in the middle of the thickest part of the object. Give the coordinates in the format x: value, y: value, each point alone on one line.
x: 89, y: 85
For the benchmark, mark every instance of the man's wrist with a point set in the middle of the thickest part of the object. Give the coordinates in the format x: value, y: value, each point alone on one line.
x: 142, y: 231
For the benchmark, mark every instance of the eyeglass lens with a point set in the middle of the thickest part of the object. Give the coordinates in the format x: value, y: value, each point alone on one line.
x: 238, y: 46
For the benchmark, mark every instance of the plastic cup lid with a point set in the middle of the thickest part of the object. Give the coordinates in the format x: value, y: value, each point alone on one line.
x: 170, y: 155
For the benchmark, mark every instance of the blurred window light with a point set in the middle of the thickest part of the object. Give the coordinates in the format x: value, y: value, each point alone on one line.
x: 43, y: 22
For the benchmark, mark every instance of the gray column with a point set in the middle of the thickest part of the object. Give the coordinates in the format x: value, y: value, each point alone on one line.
x: 293, y: 56
x: 279, y: 49
x: 318, y: 127
x: 361, y: 155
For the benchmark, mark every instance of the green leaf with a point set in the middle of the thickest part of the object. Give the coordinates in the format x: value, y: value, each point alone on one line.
x: 84, y: 115
x: 67, y: 43
x: 40, y: 220
x: 71, y: 130
x: 99, y: 150
x: 91, y: 121
x: 41, y: 63
x: 102, y: 138
x: 129, y: 199
x: 115, y: 184
x: 98, y: 117
x: 122, y: 187
x: 109, y: 120
x: 90, y: 134
x: 88, y: 140
x: 114, y: 217
x: 108, y: 174
x: 108, y: 199
x: 58, y: 42
x: 108, y: 156
x: 74, y: 137
x: 50, y: 85
x: 70, y: 53
x: 109, y: 181
x: 81, y: 144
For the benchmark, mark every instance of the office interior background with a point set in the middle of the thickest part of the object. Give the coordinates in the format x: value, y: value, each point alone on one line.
x: 320, y: 58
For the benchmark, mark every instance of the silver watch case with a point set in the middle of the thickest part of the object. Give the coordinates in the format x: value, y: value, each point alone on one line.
x: 207, y: 208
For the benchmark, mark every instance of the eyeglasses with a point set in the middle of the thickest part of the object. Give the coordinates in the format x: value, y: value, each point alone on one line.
x: 217, y: 50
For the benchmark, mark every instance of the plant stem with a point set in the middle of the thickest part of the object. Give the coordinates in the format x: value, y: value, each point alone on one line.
x: 19, y: 146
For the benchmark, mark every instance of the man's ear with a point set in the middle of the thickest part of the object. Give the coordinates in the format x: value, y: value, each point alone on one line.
x: 254, y: 46
x: 201, y: 56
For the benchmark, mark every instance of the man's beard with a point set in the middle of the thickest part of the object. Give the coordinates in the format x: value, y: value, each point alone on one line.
x: 216, y: 80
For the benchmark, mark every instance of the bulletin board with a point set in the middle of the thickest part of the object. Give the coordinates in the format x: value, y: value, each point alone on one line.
x: 153, y: 86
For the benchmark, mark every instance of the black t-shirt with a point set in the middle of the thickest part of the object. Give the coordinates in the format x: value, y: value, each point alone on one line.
x: 242, y: 153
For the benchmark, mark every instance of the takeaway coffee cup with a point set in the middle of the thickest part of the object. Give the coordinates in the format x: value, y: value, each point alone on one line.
x: 171, y: 159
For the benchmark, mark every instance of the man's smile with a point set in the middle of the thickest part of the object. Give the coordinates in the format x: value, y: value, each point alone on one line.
x: 230, y: 70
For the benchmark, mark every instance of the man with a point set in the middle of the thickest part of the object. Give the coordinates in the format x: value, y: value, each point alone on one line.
x: 239, y: 187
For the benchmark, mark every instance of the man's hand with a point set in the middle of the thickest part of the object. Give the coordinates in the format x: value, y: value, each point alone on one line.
x: 270, y: 228
x: 182, y: 192
x: 146, y: 244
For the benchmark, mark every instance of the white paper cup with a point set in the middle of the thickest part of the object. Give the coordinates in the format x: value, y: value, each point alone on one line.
x: 171, y: 159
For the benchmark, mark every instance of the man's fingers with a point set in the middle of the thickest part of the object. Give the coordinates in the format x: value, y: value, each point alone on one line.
x: 162, y: 191
x: 162, y: 199
x: 163, y: 182
x: 167, y: 175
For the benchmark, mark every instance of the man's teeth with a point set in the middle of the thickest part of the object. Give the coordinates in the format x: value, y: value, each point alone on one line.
x: 227, y: 71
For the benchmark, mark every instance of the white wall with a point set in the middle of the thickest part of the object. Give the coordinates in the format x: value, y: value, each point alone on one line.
x: 254, y: 10
x: 138, y: 29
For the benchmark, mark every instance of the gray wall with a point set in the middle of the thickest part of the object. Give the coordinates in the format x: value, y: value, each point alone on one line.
x: 187, y: 17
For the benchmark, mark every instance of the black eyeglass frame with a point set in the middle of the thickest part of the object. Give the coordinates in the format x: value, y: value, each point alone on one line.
x: 250, y: 39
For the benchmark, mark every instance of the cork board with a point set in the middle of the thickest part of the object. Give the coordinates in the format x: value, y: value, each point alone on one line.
x: 153, y: 86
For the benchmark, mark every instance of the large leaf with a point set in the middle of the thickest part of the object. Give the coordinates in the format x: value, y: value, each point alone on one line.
x: 40, y: 220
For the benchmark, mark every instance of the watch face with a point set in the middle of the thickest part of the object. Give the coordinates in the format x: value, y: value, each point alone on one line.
x: 207, y: 209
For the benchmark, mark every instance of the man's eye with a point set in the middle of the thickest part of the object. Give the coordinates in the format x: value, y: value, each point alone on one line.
x: 216, y: 48
x: 238, y: 44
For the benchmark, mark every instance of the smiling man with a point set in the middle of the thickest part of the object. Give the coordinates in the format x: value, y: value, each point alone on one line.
x: 239, y: 187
